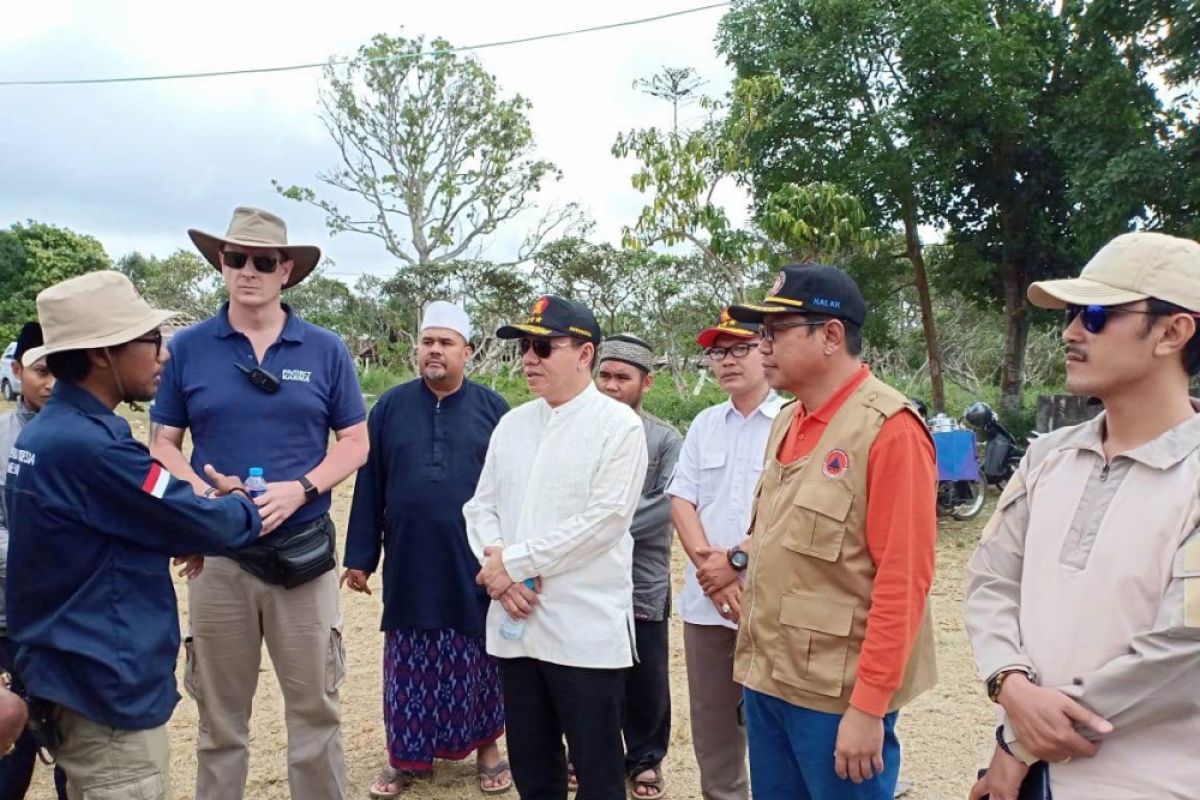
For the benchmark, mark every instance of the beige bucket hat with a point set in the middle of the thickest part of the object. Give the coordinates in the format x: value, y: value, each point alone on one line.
x: 1133, y: 266
x: 253, y: 227
x: 97, y: 309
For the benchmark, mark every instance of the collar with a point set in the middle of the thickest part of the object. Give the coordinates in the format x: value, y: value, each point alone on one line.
x: 1162, y: 453
x: 577, y: 402
x: 831, y: 406
x: 293, y: 330
x: 453, y: 397
x: 82, y: 399
x: 23, y: 412
x: 769, y: 407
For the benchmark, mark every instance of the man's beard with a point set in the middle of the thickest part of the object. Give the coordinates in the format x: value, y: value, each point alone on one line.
x: 144, y: 396
x: 435, y: 374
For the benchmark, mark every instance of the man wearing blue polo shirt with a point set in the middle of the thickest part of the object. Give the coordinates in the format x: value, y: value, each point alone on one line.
x: 260, y: 387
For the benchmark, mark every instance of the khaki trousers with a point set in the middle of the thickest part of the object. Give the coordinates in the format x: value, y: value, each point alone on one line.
x: 231, y: 614
x: 719, y: 741
x: 103, y: 763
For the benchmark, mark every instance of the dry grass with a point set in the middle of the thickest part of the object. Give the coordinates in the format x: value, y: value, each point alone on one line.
x: 946, y: 733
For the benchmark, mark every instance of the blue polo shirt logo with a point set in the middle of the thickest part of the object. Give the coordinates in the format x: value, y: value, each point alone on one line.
x: 300, y: 375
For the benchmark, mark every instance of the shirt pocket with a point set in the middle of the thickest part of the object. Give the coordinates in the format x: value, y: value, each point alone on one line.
x: 712, y: 471
x: 814, y: 644
x: 815, y: 525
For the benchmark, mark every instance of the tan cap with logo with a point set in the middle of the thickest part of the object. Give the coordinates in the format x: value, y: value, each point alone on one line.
x: 96, y: 309
x: 1133, y: 266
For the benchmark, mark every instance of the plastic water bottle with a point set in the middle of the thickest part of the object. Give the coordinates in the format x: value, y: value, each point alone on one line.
x: 512, y: 629
x: 255, y: 483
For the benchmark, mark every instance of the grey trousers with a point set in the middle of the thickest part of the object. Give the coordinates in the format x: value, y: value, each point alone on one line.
x: 719, y: 741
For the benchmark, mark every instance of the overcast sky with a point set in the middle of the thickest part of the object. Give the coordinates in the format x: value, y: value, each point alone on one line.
x: 136, y: 164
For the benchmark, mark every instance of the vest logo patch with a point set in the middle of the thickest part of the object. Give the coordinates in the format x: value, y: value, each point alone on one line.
x: 836, y: 464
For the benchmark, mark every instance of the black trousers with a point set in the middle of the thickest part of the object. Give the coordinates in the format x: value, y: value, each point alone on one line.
x: 647, y: 700
x: 542, y: 703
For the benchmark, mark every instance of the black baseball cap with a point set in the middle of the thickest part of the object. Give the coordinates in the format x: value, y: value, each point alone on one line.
x: 29, y: 338
x: 728, y: 326
x: 554, y: 316
x: 808, y: 289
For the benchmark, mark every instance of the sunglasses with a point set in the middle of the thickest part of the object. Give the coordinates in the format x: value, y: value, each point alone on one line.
x: 265, y: 264
x: 541, y: 347
x: 740, y: 350
x: 155, y: 339
x: 1094, y: 318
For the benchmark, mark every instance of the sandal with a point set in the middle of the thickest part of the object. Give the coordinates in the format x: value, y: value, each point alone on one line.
x: 492, y: 773
x: 657, y: 785
x: 390, y: 776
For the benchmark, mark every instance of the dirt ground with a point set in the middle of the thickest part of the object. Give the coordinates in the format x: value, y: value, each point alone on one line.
x: 945, y: 734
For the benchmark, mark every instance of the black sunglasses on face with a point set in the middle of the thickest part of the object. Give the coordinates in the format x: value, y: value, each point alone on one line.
x: 155, y: 339
x: 541, y: 347
x: 265, y: 264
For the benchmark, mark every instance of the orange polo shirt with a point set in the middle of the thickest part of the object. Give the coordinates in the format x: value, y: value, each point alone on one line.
x: 901, y: 538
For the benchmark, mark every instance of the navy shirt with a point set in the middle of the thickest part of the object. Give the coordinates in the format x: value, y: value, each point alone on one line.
x: 235, y: 425
x: 426, y: 456
x: 92, y: 520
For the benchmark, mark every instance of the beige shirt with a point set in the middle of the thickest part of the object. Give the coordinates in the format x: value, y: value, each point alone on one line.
x: 1089, y: 573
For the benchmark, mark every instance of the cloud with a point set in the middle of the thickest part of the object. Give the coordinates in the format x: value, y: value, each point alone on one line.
x: 137, y: 164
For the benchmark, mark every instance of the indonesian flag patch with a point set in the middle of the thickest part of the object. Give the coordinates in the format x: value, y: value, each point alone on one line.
x: 156, y: 481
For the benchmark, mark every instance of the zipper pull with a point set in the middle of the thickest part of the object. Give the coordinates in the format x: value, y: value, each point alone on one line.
x: 1104, y: 473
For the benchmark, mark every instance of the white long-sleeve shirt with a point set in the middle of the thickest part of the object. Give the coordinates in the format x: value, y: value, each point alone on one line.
x: 558, y: 491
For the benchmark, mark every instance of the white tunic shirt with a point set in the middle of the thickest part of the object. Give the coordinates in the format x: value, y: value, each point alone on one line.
x: 717, y: 472
x: 558, y: 491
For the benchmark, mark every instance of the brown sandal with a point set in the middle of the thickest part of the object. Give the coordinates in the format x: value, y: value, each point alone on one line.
x: 657, y: 785
x: 492, y: 773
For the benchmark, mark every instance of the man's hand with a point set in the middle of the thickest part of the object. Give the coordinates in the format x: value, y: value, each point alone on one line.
x: 224, y: 484
x: 1003, y: 778
x: 1043, y: 720
x: 714, y: 572
x: 192, y: 566
x: 731, y: 595
x: 493, y: 576
x: 519, y: 601
x: 357, y: 579
x: 13, y: 715
x: 858, y: 754
x: 278, y: 503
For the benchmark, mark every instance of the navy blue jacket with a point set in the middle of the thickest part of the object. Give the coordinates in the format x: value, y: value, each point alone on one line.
x: 425, y: 461
x: 92, y: 521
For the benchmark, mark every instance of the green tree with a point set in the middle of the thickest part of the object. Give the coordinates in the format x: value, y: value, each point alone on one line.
x: 839, y: 117
x: 34, y: 256
x: 183, y: 281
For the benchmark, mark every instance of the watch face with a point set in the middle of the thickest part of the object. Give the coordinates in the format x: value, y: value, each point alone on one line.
x: 740, y: 559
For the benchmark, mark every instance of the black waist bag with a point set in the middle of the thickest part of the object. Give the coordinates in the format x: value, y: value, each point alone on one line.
x: 291, y: 557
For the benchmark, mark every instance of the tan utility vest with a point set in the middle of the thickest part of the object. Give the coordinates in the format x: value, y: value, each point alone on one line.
x: 808, y: 585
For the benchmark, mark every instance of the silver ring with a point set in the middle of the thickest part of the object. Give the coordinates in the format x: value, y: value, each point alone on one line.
x: 726, y: 608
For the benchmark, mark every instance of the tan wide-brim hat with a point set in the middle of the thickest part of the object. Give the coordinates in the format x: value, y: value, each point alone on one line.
x: 1132, y: 267
x: 97, y: 309
x: 253, y: 227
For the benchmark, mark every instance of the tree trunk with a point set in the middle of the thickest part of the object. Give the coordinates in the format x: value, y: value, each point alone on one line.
x: 912, y: 248
x: 1016, y: 335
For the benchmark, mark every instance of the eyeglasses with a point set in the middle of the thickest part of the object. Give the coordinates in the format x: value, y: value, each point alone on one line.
x: 739, y: 350
x: 542, y: 347
x: 1094, y: 318
x: 155, y: 339
x: 234, y: 260
x: 771, y: 330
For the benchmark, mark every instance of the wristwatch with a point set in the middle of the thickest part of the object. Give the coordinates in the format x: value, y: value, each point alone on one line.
x: 738, y: 558
x: 310, y: 492
x: 996, y: 682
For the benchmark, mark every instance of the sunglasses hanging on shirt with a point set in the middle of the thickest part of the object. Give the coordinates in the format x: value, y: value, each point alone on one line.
x: 260, y: 378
